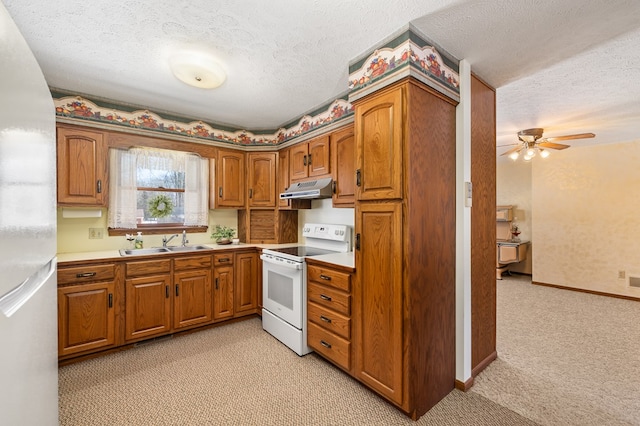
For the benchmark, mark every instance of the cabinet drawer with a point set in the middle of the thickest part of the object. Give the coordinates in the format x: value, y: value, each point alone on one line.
x: 329, y: 298
x: 329, y: 345
x: 329, y: 320
x: 86, y: 274
x: 223, y: 259
x: 148, y: 267
x: 329, y: 277
x: 191, y: 262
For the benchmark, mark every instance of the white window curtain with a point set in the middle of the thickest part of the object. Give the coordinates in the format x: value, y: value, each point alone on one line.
x: 123, y: 183
x: 196, y: 191
x: 122, y: 189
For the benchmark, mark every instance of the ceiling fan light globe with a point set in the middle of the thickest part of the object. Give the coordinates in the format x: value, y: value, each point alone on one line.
x: 514, y: 155
x: 527, y: 157
x: 531, y: 152
x: 544, y: 153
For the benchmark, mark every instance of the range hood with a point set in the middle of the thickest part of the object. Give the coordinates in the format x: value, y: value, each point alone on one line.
x: 312, y: 189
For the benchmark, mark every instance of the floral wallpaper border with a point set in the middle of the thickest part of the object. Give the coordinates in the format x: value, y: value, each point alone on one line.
x: 390, y: 59
x: 82, y: 108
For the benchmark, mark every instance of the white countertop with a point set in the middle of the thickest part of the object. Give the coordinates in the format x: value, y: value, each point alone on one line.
x: 341, y: 259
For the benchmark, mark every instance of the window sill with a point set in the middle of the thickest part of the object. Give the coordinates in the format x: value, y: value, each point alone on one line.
x: 153, y: 230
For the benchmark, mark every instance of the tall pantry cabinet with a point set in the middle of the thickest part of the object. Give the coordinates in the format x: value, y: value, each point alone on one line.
x: 404, y: 293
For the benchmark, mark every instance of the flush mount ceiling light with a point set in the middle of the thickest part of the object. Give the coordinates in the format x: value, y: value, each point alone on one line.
x: 197, y: 70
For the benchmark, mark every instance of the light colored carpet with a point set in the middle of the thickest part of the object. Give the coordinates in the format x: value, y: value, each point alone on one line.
x: 564, y: 357
x: 239, y: 375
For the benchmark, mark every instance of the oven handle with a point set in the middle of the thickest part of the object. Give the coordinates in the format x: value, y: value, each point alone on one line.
x: 281, y: 262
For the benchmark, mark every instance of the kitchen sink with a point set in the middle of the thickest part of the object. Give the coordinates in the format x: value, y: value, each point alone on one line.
x: 186, y: 248
x: 143, y: 251
x: 156, y: 250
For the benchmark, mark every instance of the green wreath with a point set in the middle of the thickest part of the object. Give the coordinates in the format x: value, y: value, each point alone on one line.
x: 160, y: 206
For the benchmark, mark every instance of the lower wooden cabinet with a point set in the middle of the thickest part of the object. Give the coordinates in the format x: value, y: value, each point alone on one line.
x: 329, y: 313
x: 86, y: 317
x: 105, y: 305
x: 148, y: 306
x: 148, y: 298
x: 223, y: 285
x: 88, y: 307
x: 247, y: 280
x: 192, y: 303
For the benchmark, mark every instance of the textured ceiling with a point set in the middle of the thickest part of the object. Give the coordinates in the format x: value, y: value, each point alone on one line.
x: 568, y: 66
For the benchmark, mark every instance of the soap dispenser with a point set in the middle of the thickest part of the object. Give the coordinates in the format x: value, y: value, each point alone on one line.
x: 138, y: 242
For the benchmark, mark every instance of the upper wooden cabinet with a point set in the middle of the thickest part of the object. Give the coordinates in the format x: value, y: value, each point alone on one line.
x: 227, y: 185
x: 379, y: 148
x: 284, y: 182
x: 343, y: 164
x: 262, y: 191
x: 310, y: 159
x: 82, y: 167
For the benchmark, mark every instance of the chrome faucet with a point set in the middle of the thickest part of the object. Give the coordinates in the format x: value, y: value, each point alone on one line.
x: 184, y: 238
x: 165, y: 241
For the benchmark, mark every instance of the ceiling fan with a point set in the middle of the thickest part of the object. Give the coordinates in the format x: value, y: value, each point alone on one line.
x: 532, y: 143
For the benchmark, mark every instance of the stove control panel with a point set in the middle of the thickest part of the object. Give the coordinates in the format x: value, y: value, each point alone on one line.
x: 326, y: 231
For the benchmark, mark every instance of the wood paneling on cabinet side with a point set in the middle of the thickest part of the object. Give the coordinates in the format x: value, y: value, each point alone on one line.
x: 430, y: 250
x: 483, y: 230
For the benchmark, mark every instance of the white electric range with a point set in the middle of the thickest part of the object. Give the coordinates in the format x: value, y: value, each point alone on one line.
x: 284, y: 281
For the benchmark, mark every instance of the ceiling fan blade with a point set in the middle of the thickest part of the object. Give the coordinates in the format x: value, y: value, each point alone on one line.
x: 517, y: 148
x: 552, y: 145
x: 569, y: 137
x: 509, y: 144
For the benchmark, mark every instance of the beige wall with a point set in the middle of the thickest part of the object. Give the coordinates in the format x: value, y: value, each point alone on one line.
x: 586, y: 217
x: 513, y: 187
x: 73, y: 234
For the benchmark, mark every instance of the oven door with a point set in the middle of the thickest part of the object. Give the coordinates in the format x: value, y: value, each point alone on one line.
x: 282, y: 289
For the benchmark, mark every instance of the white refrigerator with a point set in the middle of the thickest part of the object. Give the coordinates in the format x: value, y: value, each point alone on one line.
x: 28, y: 297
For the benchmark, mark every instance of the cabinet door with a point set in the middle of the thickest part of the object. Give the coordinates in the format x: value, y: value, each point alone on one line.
x: 82, y: 167
x: 148, y: 306
x: 223, y: 292
x: 230, y: 179
x: 379, y: 140
x: 319, y: 158
x: 86, y: 317
x: 262, y: 179
x: 343, y: 151
x: 378, y: 304
x: 283, y: 178
x: 246, y: 271
x: 298, y: 159
x: 192, y: 302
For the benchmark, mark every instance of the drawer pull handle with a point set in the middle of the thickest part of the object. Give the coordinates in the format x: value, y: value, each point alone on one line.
x: 325, y: 297
x: 86, y: 275
x: 325, y: 277
x: 325, y: 319
x: 325, y: 344
x: 225, y: 259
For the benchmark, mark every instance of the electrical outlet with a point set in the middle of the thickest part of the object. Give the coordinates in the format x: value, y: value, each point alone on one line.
x: 95, y: 233
x: 622, y: 274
